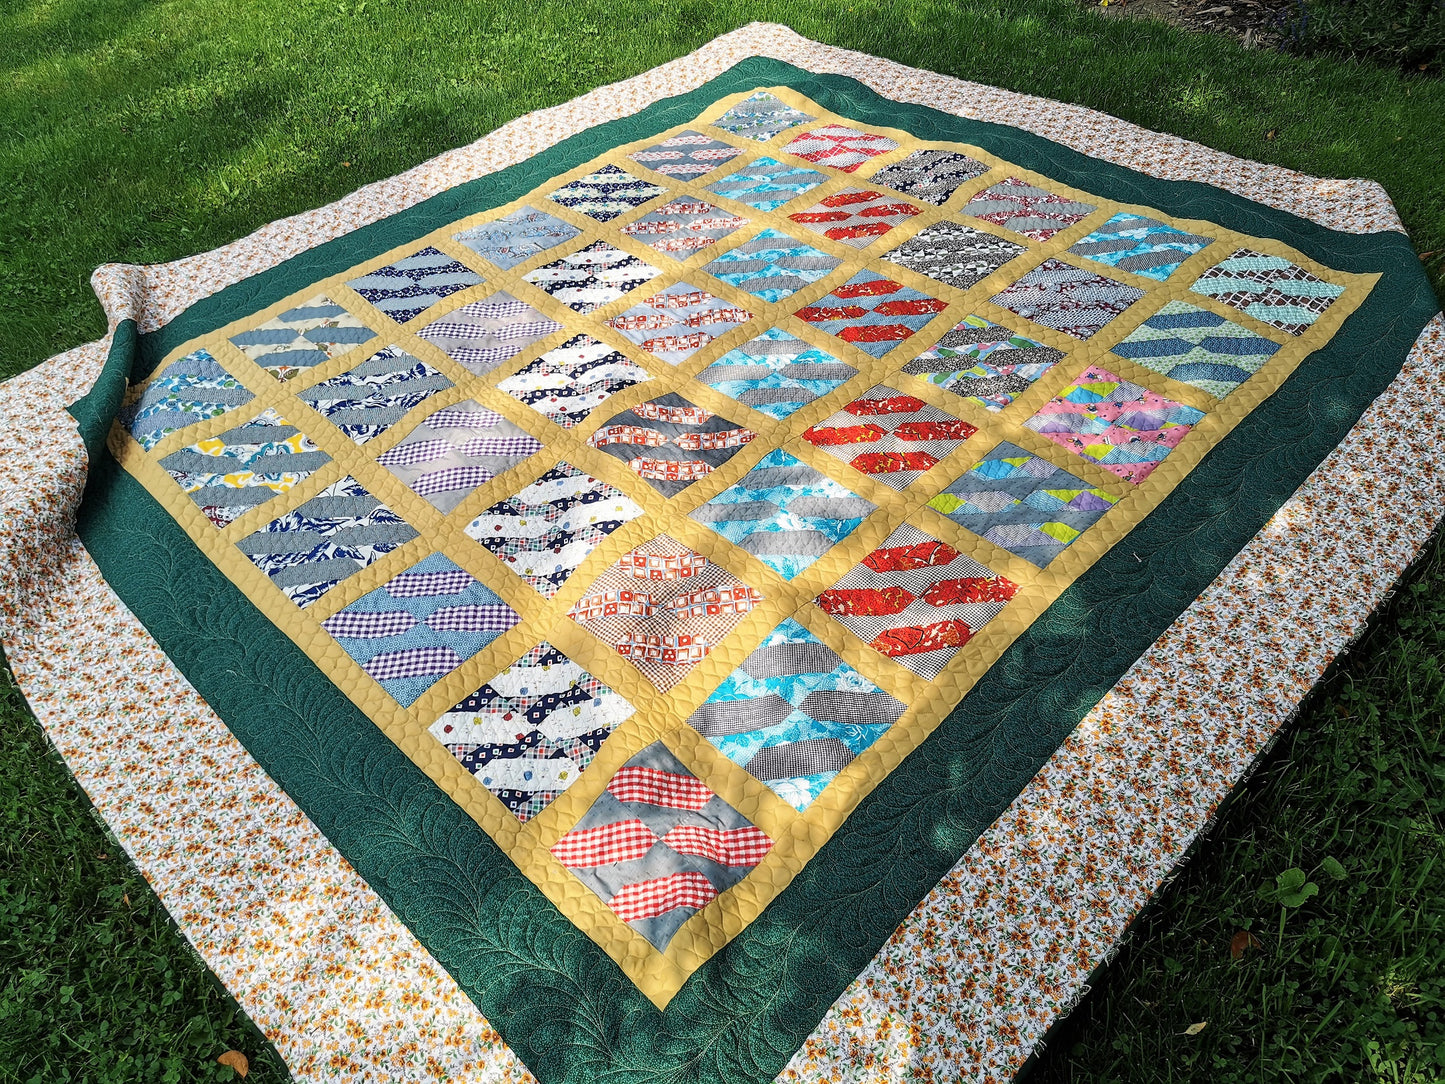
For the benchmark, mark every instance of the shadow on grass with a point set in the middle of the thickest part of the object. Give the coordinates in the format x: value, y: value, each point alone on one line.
x: 1346, y: 986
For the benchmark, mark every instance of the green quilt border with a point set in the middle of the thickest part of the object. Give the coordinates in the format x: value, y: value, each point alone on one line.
x: 557, y: 1000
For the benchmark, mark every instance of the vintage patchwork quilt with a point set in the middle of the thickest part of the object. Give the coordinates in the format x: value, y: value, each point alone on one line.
x: 735, y: 591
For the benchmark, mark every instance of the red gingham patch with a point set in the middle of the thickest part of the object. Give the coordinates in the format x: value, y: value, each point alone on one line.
x: 727, y: 847
x: 640, y: 784
x: 622, y: 841
x: 648, y: 899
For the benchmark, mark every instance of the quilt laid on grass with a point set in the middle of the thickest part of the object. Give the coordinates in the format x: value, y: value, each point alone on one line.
x: 655, y: 566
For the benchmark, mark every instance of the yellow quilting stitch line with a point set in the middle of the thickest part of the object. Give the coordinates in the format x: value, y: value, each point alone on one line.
x: 663, y: 716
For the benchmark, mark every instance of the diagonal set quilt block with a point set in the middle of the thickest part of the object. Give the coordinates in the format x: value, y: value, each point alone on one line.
x: 872, y: 313
x: 766, y: 184
x: 1126, y: 429
x: 304, y: 336
x: 776, y: 374
x: 545, y: 530
x: 785, y: 513
x: 795, y: 714
x: 670, y: 443
x: 677, y: 322
x: 984, y: 362
x: 419, y: 626
x: 530, y: 732
x: 893, y: 437
x: 917, y: 600
x: 245, y: 467
x: 452, y: 451
x: 1023, y: 503
x: 663, y: 607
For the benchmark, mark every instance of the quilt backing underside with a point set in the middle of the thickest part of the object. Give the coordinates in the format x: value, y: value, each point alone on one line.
x: 659, y: 514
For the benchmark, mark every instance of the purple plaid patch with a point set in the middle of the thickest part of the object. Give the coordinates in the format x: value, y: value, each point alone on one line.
x: 354, y: 625
x: 429, y: 584
x: 473, y: 618
x: 501, y: 446
x: 496, y: 310
x: 462, y: 418
x: 487, y: 355
x: 450, y: 480
x: 408, y: 455
x: 529, y: 332
x: 412, y: 662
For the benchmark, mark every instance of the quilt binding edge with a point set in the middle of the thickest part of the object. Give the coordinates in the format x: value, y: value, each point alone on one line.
x: 1106, y: 844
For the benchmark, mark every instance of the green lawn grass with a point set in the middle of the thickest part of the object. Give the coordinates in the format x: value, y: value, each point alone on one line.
x: 144, y: 132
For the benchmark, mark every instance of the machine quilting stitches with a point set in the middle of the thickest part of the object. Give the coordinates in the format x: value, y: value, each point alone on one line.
x: 531, y: 731
x: 670, y: 443
x: 546, y: 529
x: 893, y: 437
x: 782, y: 513
x: 663, y: 608
x: 917, y: 600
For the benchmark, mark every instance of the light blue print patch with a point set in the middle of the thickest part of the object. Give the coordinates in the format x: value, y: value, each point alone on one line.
x: 795, y: 714
x: 776, y: 373
x: 772, y: 265
x: 767, y: 184
x: 785, y: 513
x: 518, y: 237
x: 187, y: 391
x: 1143, y: 246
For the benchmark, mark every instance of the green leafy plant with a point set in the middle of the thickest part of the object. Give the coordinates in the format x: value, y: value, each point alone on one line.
x: 1410, y: 33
